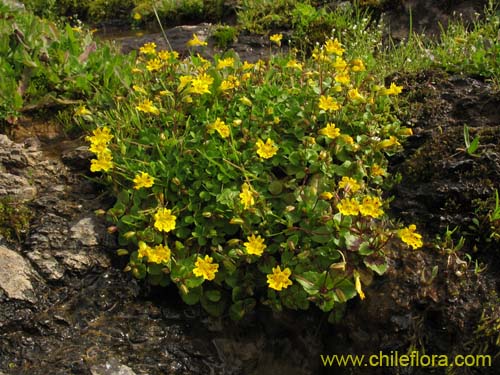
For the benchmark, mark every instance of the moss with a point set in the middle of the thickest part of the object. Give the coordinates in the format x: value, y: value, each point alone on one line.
x: 14, y: 219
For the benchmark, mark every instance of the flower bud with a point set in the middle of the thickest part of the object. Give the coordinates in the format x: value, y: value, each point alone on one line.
x: 112, y: 229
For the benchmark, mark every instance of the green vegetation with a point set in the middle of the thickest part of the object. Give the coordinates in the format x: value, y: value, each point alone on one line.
x: 43, y: 66
x: 237, y: 182
x: 14, y: 219
x: 224, y: 36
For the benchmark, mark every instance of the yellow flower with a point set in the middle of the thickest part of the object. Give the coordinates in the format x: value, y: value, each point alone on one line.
x: 348, y: 207
x: 246, y: 101
x: 330, y: 131
x: 101, y: 135
x: 154, y: 65
x: 148, y: 49
x: 294, y: 65
x: 326, y: 195
x: 340, y: 64
x: 205, y: 268
x: 410, y: 237
x: 354, y: 95
x: 159, y: 254
x: 98, y: 147
x: 137, y: 16
x: 255, y: 245
x: 199, y: 85
x: 276, y: 38
x: 147, y: 106
x: 166, y: 93
x: 327, y: 103
x: 166, y: 55
x: 357, y: 284
x: 349, y: 184
x: 357, y: 65
x: 347, y: 139
x: 376, y: 170
x: 164, y: 220
x: 82, y: 111
x: 406, y: 131
x: 183, y: 82
x: 279, y: 279
x: 220, y: 127
x: 371, y: 207
x: 393, y: 89
x: 247, y: 66
x: 195, y: 41
x: 229, y: 83
x: 225, y: 63
x: 98, y: 144
x: 246, y: 76
x: 266, y: 150
x: 143, y: 250
x: 246, y: 196
x: 334, y: 47
x: 392, y: 141
x: 139, y: 89
x: 343, y: 78
x: 104, y: 162
x: 143, y: 180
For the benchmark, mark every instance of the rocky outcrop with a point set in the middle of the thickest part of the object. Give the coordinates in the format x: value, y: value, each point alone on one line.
x: 16, y: 276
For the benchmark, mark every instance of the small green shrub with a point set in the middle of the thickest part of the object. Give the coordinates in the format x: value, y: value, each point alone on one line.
x: 472, y: 51
x: 44, y: 66
x: 245, y: 182
x: 260, y: 16
x: 224, y: 36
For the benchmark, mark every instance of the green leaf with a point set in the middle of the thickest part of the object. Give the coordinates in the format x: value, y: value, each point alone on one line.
x: 365, y: 249
x: 321, y: 235
x: 194, y: 281
x: 227, y: 197
x: 311, y: 281
x: 376, y: 264
x: 212, y: 295
x: 473, y: 146
x: 216, y: 308
x: 192, y: 296
x: 275, y: 187
x: 155, y: 269
x: 238, y: 310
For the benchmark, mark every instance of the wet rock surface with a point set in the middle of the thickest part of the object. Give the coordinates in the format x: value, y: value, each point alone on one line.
x: 442, y: 184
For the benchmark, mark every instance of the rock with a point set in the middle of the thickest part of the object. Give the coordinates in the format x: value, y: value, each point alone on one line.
x: 48, y: 266
x: 78, y: 158
x: 85, y: 231
x: 15, y: 276
x: 111, y: 367
x: 16, y: 187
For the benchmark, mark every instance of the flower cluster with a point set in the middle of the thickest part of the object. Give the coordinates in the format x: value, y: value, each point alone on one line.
x: 99, y: 146
x: 266, y: 171
x: 160, y: 254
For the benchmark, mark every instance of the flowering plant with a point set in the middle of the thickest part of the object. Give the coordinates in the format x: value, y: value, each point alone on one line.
x: 240, y: 181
